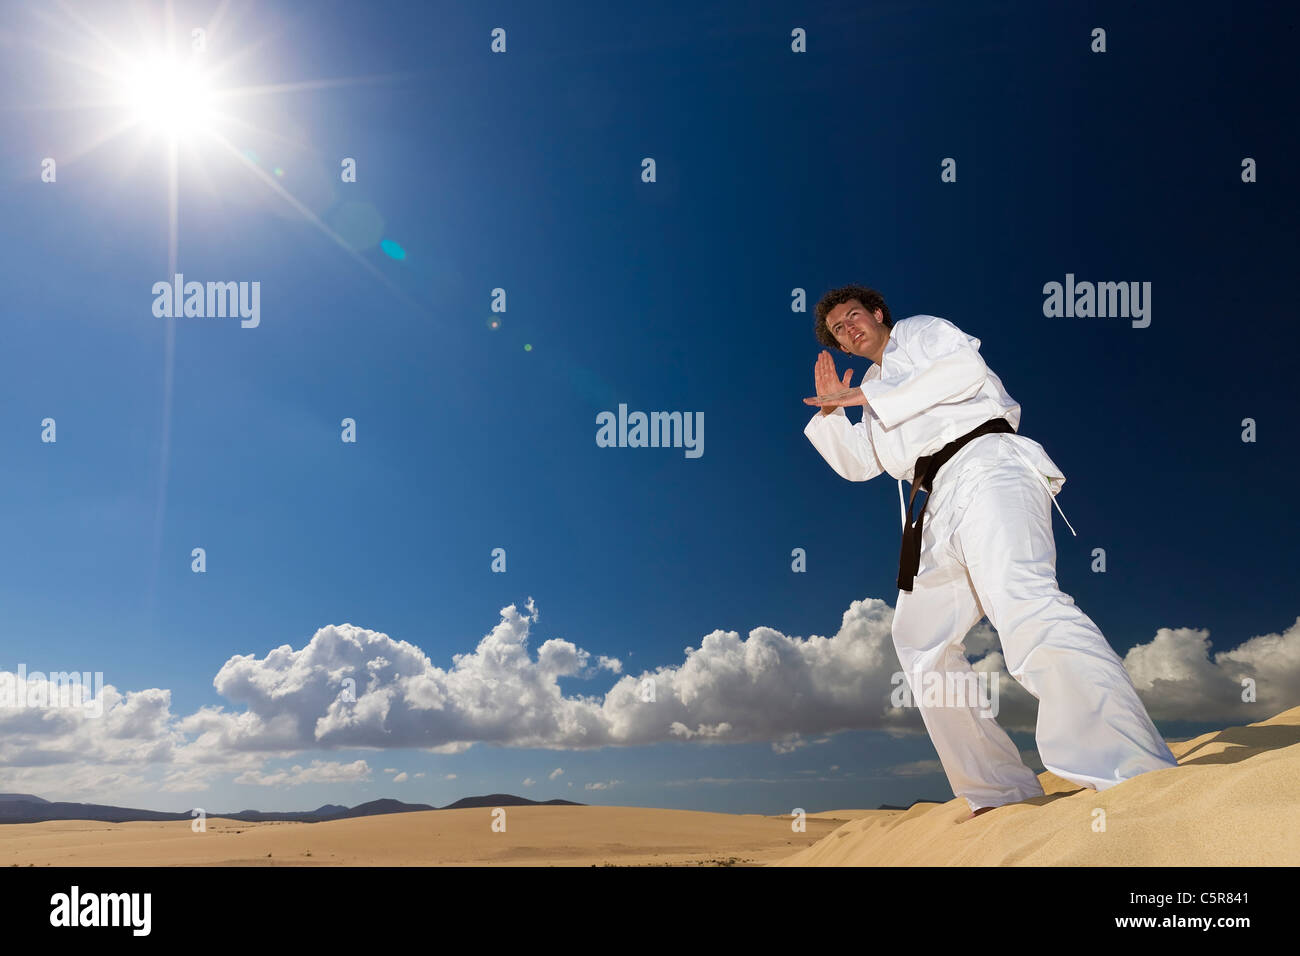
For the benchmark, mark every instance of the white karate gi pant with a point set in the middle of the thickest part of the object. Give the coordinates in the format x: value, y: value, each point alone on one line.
x: 987, y: 549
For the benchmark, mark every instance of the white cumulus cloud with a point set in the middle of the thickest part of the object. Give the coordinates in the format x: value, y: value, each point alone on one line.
x: 350, y: 687
x: 320, y: 771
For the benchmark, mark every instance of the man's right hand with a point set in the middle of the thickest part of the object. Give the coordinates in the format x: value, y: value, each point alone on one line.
x: 827, y: 380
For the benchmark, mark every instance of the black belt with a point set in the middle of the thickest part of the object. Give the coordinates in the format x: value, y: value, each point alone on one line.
x: 927, y: 466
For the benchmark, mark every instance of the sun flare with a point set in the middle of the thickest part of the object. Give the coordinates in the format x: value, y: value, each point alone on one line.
x: 169, y: 96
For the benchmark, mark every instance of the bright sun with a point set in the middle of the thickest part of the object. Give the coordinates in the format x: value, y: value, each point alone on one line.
x: 169, y: 96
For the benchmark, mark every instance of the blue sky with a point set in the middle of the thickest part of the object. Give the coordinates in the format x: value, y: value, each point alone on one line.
x: 522, y: 170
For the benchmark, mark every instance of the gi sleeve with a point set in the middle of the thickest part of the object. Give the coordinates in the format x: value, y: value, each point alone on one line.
x: 846, y: 447
x: 953, y: 372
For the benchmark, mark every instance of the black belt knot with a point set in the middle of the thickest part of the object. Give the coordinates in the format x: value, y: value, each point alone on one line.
x: 926, y: 467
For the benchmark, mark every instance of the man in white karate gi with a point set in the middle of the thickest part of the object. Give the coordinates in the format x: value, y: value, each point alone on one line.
x: 985, y: 549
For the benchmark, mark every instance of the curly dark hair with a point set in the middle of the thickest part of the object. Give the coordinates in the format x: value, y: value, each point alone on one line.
x: 871, y: 301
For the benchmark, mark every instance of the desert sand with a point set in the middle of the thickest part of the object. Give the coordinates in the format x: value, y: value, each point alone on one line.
x: 535, y: 836
x: 1232, y: 801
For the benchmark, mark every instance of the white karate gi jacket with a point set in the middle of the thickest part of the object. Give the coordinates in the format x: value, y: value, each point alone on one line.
x: 930, y: 387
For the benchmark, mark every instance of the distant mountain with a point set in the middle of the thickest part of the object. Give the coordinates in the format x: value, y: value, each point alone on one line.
x: 376, y: 807
x: 36, y: 810
x: 27, y: 808
x: 507, y: 800
x: 263, y: 816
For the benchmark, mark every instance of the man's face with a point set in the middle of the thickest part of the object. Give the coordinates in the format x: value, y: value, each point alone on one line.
x: 858, y: 331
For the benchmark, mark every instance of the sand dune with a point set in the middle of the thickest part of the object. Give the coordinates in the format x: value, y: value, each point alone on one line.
x: 1232, y: 801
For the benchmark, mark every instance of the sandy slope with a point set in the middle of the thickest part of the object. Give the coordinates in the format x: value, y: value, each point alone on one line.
x: 1233, y: 800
